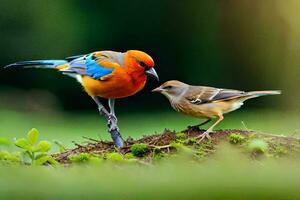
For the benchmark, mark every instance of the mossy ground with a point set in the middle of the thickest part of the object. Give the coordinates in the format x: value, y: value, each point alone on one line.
x: 152, y: 148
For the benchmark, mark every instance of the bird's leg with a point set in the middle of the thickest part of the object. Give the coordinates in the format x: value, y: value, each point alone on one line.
x: 112, y: 122
x: 111, y: 104
x: 114, y: 132
x: 206, y: 133
x: 201, y: 124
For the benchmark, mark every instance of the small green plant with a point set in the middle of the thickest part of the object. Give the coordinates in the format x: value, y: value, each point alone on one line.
x: 280, y: 150
x: 184, y: 150
x: 80, y: 158
x: 9, y: 158
x: 158, y: 157
x: 129, y: 156
x: 139, y: 150
x: 35, y: 152
x: 84, y: 158
x: 257, y: 146
x: 205, y: 148
x: 176, y: 145
x: 180, y: 136
x: 190, y: 141
x: 114, y: 156
x: 236, y: 138
x: 158, y: 154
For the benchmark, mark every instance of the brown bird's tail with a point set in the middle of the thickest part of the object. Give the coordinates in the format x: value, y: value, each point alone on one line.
x: 254, y: 94
x: 263, y: 93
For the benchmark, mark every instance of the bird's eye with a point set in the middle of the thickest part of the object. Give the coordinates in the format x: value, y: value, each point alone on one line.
x: 142, y: 64
x: 168, y: 87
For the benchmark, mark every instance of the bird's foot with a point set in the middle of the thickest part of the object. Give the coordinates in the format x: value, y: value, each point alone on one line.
x: 203, y: 136
x: 113, y: 123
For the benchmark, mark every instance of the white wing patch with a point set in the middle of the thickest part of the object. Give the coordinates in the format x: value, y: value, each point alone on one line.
x: 213, y: 95
x: 196, y: 101
x: 79, y: 78
x: 198, y: 98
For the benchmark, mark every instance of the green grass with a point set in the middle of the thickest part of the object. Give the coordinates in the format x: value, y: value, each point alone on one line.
x: 226, y: 175
x: 68, y: 127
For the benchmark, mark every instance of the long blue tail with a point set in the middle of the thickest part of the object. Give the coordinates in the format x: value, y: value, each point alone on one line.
x: 37, y: 64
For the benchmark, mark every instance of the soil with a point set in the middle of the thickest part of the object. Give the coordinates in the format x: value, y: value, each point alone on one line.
x: 163, y: 143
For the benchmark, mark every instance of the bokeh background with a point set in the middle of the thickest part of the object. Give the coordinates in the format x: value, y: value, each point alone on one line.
x: 239, y: 44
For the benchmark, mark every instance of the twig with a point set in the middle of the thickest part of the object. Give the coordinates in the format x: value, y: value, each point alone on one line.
x: 244, y: 125
x: 94, y: 140
x: 160, y: 147
x: 78, y: 145
x: 156, y: 139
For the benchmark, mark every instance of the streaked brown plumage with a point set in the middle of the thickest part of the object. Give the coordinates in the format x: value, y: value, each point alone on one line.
x: 206, y: 102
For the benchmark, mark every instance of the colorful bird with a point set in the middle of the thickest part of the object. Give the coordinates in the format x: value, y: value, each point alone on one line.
x: 206, y: 102
x: 107, y: 74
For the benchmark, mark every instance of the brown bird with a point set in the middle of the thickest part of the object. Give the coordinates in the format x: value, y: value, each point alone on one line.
x: 206, y: 102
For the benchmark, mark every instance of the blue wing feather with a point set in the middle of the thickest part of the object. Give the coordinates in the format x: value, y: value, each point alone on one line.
x: 94, y: 70
x: 87, y: 65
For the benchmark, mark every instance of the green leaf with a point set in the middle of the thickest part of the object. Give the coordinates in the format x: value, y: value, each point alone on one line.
x: 43, y: 146
x: 41, y: 160
x: 22, y: 143
x: 40, y: 155
x: 44, y: 159
x: 52, y: 161
x: 33, y: 136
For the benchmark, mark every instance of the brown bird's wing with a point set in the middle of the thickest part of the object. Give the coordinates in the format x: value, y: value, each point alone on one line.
x: 201, y: 94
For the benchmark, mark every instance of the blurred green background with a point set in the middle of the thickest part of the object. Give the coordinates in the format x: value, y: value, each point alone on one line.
x: 240, y: 44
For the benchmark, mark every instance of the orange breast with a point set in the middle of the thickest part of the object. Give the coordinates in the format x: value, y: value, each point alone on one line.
x: 116, y: 85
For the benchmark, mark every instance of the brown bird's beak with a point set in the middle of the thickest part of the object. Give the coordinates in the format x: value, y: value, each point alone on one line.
x: 158, y: 89
x: 152, y: 73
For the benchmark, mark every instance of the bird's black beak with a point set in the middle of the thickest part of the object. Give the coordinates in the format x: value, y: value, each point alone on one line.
x: 152, y: 73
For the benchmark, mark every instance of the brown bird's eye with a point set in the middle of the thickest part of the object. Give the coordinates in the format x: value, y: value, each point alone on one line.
x: 168, y: 87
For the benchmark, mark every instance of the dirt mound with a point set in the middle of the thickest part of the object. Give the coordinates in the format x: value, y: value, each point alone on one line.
x: 170, y: 141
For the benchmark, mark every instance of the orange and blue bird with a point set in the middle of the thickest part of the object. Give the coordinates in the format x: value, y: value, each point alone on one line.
x: 104, y: 74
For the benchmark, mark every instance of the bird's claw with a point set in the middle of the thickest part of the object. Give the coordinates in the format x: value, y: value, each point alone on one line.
x: 203, y: 136
x: 112, y: 123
